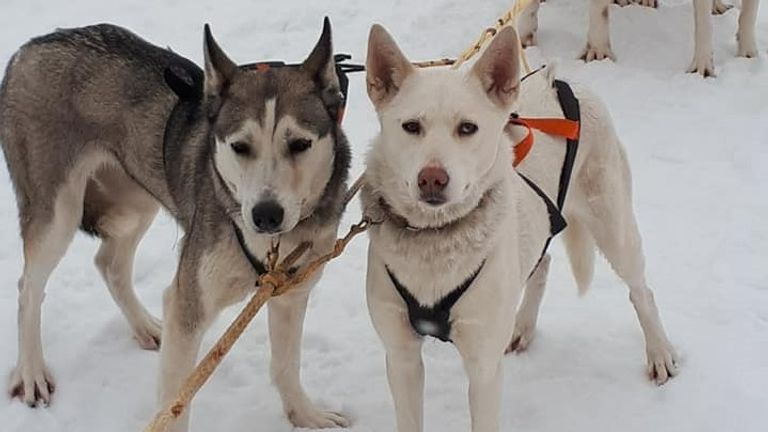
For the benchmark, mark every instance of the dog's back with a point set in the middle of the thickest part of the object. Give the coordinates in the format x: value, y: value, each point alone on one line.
x: 94, y: 92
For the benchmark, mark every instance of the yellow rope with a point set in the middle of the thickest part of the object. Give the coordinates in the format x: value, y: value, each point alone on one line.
x: 488, y: 34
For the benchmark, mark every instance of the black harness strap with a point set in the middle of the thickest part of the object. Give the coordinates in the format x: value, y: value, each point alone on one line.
x: 256, y: 263
x: 556, y: 220
x: 571, y: 110
x: 433, y: 320
x: 570, y: 106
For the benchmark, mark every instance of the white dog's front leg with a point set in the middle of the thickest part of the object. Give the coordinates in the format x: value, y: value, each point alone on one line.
x: 183, y: 331
x: 484, y: 373
x: 286, y: 323
x: 405, y: 372
x: 598, y: 36
x: 405, y: 367
x: 702, y: 62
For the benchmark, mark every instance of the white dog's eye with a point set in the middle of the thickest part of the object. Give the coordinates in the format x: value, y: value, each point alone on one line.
x: 240, y: 148
x: 412, y: 127
x: 467, y: 128
x: 299, y: 145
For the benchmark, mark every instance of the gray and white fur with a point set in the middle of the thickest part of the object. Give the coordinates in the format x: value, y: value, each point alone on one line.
x: 95, y: 137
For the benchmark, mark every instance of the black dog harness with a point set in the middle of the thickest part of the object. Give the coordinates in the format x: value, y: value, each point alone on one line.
x: 436, y: 320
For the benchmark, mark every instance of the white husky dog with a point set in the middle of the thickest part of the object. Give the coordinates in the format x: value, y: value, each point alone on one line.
x: 462, y: 231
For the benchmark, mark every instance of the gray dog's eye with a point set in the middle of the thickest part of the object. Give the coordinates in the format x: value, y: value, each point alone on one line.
x: 299, y: 145
x: 240, y: 148
x: 467, y: 128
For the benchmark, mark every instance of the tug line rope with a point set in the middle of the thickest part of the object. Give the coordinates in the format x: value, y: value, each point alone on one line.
x: 277, y: 280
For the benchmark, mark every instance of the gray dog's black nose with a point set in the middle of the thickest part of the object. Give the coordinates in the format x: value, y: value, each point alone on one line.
x: 267, y: 216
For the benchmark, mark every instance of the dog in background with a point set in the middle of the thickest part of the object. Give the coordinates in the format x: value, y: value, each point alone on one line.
x: 598, y: 45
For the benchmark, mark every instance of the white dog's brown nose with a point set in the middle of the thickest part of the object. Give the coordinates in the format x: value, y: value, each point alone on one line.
x: 433, y: 180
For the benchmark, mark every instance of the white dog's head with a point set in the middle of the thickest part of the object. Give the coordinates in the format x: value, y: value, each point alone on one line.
x: 442, y: 143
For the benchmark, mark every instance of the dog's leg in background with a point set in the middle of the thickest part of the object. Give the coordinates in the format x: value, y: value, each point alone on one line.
x: 121, y: 229
x: 115, y: 262
x: 746, y: 33
x: 286, y: 321
x: 611, y: 221
x: 528, y: 313
x: 528, y: 24
x: 598, y: 36
x: 702, y: 62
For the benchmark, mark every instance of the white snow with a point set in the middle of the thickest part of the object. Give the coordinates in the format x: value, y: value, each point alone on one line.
x: 699, y: 153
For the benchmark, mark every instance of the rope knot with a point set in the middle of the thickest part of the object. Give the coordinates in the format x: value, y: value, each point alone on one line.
x: 276, y: 280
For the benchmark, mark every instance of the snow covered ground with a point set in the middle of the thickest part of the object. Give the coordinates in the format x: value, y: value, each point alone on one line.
x: 699, y: 153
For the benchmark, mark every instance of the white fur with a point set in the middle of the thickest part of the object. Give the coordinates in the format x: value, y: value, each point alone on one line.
x: 492, y: 215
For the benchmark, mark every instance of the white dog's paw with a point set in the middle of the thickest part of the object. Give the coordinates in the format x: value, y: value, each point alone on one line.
x: 32, y: 383
x: 594, y: 52
x: 719, y: 8
x: 522, y: 337
x: 528, y: 26
x: 148, y: 334
x: 528, y: 40
x: 313, y: 418
x: 662, y: 362
x: 747, y: 45
x: 703, y: 65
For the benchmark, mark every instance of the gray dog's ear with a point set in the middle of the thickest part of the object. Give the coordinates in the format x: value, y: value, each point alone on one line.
x: 499, y: 68
x: 320, y: 64
x: 386, y: 65
x: 219, y: 69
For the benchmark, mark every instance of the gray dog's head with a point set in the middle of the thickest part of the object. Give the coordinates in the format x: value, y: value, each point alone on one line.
x: 274, y: 132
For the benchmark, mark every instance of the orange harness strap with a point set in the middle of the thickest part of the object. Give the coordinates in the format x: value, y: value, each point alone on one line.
x: 565, y: 128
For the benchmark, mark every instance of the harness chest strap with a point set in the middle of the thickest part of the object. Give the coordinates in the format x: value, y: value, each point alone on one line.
x: 434, y: 320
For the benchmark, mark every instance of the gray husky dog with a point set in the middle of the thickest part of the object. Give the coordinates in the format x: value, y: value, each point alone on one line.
x: 100, y: 129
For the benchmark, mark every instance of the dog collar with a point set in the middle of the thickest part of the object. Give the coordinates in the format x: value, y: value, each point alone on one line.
x: 401, y: 222
x: 258, y: 266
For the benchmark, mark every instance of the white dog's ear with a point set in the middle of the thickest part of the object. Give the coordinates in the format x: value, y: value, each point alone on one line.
x: 219, y: 69
x: 386, y: 66
x: 499, y: 68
